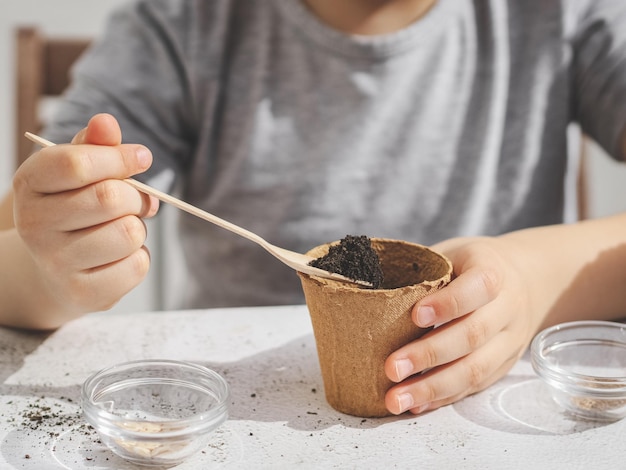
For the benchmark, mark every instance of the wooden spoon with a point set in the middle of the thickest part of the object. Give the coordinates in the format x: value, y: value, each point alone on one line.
x: 297, y: 261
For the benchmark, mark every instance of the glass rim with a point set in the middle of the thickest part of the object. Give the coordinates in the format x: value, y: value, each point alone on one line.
x: 105, y: 421
x: 596, y: 385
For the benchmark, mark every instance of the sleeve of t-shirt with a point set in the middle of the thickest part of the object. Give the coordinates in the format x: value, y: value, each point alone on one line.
x: 138, y: 72
x: 599, y: 47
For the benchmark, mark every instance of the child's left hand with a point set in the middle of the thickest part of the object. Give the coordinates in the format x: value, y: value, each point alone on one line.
x: 486, y: 317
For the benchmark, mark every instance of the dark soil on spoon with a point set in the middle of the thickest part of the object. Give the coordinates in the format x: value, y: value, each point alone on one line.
x: 354, y: 258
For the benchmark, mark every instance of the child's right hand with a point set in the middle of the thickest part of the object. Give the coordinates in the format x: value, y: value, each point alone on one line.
x: 80, y: 222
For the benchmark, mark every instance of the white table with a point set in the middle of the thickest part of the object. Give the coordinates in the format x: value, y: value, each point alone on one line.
x: 279, y: 417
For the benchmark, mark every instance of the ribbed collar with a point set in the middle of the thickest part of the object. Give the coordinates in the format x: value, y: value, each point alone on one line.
x: 372, y: 47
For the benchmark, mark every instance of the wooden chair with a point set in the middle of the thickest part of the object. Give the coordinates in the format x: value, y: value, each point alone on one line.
x: 42, y: 70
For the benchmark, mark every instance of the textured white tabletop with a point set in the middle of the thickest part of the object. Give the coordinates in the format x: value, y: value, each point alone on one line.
x: 278, y: 417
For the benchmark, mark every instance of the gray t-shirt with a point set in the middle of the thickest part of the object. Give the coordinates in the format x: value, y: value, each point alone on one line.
x: 268, y: 118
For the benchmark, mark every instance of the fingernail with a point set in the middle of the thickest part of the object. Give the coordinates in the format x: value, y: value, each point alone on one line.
x: 143, y: 157
x: 425, y: 316
x: 405, y: 401
x: 404, y: 368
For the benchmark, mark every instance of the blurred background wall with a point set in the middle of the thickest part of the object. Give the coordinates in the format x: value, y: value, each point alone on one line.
x: 84, y: 18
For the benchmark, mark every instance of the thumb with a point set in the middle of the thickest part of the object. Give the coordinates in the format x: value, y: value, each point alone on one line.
x: 102, y: 129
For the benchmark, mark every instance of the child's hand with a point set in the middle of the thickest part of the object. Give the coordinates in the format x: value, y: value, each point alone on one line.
x: 487, y: 320
x: 81, y: 224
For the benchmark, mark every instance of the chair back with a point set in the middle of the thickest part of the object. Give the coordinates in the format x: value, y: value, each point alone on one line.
x: 42, y: 71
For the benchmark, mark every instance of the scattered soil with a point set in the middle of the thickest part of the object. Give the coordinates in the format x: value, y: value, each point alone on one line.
x: 354, y: 258
x: 49, y: 418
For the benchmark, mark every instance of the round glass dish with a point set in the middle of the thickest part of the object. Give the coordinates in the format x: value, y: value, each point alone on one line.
x: 156, y: 412
x: 584, y: 365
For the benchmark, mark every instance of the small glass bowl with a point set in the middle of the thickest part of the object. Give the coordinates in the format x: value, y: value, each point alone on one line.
x: 584, y: 365
x: 155, y: 413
